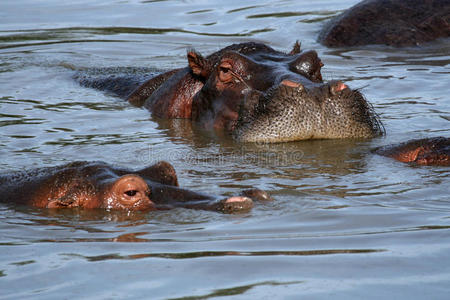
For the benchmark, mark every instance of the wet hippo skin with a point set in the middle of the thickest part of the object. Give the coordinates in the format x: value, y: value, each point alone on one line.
x: 428, y: 151
x: 255, y: 93
x: 99, y: 185
x: 390, y: 22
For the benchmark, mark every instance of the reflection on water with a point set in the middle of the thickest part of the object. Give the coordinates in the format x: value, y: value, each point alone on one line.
x: 344, y: 222
x: 227, y: 253
x: 238, y: 290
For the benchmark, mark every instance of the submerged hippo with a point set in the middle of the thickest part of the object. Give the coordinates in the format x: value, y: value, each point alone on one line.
x: 98, y: 185
x: 428, y: 151
x: 391, y: 22
x: 257, y: 94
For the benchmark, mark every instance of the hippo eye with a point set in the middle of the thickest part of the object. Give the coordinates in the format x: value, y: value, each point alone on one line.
x: 131, y: 193
x: 225, y: 72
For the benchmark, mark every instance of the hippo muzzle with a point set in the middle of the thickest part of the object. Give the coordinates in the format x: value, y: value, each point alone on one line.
x: 292, y: 112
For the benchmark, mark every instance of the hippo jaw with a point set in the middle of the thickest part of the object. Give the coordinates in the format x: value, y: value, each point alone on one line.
x: 290, y: 112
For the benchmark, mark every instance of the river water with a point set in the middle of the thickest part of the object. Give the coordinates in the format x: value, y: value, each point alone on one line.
x: 344, y: 224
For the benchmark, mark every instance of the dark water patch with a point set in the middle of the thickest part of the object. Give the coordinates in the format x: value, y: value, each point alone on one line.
x: 28, y: 150
x: 12, y: 100
x: 22, y: 136
x: 113, y: 71
x: 278, y: 15
x: 76, y: 105
x: 5, y: 68
x: 399, y: 230
x: 199, y: 11
x: 202, y: 254
x: 58, y: 42
x: 22, y: 121
x: 238, y: 290
x: 58, y: 129
x: 123, y: 30
x: 33, y: 35
x: 23, y: 263
x: 406, y: 101
x: 98, y: 139
x: 13, y: 244
x: 314, y: 20
x: 292, y: 14
x: 10, y: 116
x: 243, y: 8
x: 122, y: 239
x: 153, y: 1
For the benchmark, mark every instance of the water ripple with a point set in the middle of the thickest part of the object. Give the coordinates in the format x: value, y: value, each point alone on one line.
x: 191, y: 255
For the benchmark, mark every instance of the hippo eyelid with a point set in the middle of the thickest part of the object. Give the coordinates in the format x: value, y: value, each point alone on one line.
x: 131, y: 193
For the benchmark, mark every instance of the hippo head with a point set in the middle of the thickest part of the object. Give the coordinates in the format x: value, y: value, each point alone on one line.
x: 262, y: 95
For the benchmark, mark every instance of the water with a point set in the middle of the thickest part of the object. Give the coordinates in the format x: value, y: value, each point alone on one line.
x: 345, y: 223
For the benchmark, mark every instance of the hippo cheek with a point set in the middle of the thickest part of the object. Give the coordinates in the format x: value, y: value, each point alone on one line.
x: 130, y: 192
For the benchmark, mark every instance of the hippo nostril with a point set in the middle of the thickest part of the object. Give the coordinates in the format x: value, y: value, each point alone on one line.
x: 338, y: 87
x: 290, y: 83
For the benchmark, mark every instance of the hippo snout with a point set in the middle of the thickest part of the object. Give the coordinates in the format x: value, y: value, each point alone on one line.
x: 295, y: 111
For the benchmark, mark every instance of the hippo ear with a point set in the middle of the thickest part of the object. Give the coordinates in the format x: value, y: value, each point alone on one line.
x: 198, y: 64
x: 161, y: 172
x: 296, y: 48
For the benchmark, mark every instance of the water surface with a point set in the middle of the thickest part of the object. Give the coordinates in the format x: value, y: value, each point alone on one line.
x: 345, y: 223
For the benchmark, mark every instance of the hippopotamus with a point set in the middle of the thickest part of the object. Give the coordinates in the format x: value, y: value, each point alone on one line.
x: 428, y: 151
x: 99, y: 185
x: 396, y: 23
x: 255, y: 93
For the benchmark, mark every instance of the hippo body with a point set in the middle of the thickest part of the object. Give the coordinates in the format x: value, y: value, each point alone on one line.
x: 428, y: 151
x: 396, y: 23
x: 257, y: 94
x: 99, y: 185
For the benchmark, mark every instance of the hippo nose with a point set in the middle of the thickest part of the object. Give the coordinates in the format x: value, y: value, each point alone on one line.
x: 290, y: 83
x: 337, y: 86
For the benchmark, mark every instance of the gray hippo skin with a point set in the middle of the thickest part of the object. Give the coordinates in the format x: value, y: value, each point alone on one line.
x: 257, y: 94
x: 396, y: 23
x: 99, y: 185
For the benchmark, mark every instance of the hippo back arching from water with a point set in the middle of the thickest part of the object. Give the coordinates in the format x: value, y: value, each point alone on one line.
x: 396, y: 23
x: 427, y: 151
x: 257, y: 94
x: 99, y: 185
